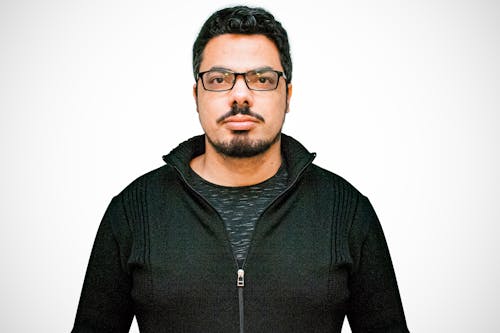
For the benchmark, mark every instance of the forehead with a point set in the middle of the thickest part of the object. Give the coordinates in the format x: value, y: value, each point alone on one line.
x: 240, y: 53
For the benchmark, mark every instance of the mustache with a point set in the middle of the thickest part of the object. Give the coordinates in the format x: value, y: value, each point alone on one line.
x: 244, y: 110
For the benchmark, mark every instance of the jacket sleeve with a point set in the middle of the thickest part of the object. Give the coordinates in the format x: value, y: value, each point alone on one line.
x: 105, y: 302
x: 375, y: 304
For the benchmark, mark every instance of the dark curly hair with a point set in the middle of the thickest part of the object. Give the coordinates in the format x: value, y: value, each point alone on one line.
x: 248, y: 21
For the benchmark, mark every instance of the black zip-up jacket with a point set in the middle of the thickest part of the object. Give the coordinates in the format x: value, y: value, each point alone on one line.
x: 162, y: 254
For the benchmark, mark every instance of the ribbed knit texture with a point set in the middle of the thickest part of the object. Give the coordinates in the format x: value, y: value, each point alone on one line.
x: 136, y: 211
x: 343, y: 211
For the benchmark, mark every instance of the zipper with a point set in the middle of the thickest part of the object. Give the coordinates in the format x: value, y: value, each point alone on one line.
x: 240, y: 283
x: 240, y: 279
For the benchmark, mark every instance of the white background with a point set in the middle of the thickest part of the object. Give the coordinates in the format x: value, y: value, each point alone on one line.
x: 399, y: 97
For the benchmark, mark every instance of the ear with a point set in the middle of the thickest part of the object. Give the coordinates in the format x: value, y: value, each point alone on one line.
x: 195, y: 95
x: 288, y: 96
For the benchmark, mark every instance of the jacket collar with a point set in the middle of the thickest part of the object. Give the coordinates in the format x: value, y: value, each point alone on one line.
x: 296, y: 156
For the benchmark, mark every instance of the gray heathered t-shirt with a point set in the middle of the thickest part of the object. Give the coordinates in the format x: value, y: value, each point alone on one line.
x: 241, y: 207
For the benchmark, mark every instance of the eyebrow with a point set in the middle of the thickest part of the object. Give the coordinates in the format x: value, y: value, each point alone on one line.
x: 225, y: 69
x: 219, y: 68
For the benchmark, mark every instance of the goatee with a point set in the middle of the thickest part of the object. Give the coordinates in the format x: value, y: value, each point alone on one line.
x: 241, y: 146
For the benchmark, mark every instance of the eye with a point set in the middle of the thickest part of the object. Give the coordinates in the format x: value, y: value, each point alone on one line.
x: 215, y: 79
x: 265, y: 78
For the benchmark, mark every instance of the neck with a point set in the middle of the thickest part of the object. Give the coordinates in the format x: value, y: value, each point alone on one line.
x: 229, y: 171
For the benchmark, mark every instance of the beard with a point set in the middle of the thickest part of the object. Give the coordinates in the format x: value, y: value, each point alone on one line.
x: 241, y: 146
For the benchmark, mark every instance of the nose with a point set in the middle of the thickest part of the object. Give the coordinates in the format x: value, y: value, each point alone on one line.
x: 240, y: 94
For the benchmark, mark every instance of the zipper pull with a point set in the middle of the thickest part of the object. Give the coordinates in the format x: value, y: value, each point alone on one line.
x: 240, y: 282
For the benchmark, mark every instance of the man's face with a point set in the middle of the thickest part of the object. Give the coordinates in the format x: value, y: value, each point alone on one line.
x: 242, y: 134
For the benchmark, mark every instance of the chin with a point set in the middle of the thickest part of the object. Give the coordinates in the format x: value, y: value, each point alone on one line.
x: 241, y: 146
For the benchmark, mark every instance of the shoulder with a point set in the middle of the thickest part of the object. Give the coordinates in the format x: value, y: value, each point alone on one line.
x: 133, y: 201
x: 343, y: 191
x: 147, y: 183
x: 129, y: 210
x: 326, y: 180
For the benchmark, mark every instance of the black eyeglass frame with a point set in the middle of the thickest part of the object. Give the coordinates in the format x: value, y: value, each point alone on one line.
x: 244, y: 74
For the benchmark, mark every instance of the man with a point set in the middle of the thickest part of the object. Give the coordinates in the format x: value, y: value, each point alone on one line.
x: 239, y: 231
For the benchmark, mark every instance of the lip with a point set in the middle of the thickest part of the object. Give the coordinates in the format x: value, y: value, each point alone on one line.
x: 240, y: 123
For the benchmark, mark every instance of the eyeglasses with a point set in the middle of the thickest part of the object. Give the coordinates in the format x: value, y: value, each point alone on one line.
x: 220, y: 80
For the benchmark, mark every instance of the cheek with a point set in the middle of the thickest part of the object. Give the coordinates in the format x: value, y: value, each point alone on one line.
x: 280, y: 106
x: 203, y: 116
x: 208, y: 112
x: 209, y: 102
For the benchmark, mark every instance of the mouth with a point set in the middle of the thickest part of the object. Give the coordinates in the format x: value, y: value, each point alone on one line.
x: 240, y: 123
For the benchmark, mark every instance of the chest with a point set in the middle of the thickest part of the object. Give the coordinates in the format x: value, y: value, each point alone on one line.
x: 190, y: 263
